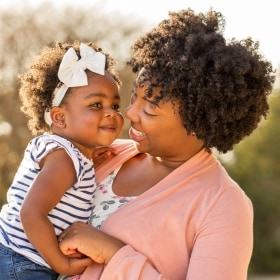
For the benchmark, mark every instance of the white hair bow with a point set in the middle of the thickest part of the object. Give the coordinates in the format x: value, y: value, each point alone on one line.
x: 72, y: 73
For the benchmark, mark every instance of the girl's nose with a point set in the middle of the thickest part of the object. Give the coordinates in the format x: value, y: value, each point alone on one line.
x: 110, y: 113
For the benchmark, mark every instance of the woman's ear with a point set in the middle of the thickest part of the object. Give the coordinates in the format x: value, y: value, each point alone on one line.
x: 57, y: 116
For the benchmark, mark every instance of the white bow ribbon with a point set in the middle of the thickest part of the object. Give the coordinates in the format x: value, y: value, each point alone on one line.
x: 72, y: 73
x: 72, y: 70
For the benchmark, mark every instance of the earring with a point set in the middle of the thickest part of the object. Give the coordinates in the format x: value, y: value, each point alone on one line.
x: 61, y: 123
x: 193, y: 133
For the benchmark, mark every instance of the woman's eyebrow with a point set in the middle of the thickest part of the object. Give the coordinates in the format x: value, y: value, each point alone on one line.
x: 151, y: 101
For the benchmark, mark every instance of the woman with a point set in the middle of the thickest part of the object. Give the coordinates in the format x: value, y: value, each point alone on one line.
x: 181, y: 215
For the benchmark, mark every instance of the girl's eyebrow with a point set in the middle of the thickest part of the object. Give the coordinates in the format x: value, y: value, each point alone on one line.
x: 116, y: 96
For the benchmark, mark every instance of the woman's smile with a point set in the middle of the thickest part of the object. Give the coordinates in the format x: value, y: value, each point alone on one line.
x: 136, y: 135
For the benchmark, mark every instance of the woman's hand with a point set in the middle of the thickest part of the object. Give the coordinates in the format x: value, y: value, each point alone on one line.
x: 89, y: 241
x: 101, y: 154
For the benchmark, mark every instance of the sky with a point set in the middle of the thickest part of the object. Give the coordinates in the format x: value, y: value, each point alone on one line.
x: 257, y: 19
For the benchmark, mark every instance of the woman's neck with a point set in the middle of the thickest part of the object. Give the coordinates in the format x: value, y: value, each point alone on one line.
x: 173, y: 162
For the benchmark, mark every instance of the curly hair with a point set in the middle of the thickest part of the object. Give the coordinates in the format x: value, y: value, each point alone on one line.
x: 222, y: 87
x: 39, y: 82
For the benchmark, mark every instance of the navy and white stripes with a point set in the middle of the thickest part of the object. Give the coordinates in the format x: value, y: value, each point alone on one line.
x: 75, y: 205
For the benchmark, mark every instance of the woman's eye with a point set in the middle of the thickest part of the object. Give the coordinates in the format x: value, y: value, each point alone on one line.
x: 149, y: 114
x: 150, y: 109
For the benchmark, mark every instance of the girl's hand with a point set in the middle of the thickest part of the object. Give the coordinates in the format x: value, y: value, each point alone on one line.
x: 89, y: 241
x: 73, y: 265
x: 101, y: 154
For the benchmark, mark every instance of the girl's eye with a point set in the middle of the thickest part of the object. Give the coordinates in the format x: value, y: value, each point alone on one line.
x: 96, y: 105
x: 116, y: 107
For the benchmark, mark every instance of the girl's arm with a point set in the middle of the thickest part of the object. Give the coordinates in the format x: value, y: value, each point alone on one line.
x: 84, y: 238
x: 57, y: 175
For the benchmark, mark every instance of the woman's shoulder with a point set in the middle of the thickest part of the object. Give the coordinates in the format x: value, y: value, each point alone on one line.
x: 126, y: 149
x: 123, y: 145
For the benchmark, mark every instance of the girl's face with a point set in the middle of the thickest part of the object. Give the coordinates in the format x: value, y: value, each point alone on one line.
x: 157, y: 128
x: 91, y: 114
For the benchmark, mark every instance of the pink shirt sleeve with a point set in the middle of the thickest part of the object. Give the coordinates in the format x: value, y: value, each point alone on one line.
x: 221, y: 250
x: 206, y: 235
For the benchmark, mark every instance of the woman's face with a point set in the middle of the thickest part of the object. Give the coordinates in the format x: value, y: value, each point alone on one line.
x: 157, y: 128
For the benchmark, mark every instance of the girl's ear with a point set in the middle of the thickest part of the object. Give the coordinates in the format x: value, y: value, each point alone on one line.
x: 57, y: 116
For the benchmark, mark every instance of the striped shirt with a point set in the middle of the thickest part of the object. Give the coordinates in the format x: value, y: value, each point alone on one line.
x: 75, y: 205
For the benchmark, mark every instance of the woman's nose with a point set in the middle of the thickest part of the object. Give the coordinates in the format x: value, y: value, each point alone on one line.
x: 130, y: 112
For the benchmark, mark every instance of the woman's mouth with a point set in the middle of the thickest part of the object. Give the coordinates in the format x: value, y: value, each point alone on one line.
x: 136, y: 135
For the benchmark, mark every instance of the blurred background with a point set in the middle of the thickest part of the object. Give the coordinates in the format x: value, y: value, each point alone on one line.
x: 27, y: 25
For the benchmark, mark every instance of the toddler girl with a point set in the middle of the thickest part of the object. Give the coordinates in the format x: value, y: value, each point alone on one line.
x: 71, y: 95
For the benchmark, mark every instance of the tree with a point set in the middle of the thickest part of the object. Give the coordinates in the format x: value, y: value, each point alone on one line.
x: 24, y: 30
x: 256, y: 168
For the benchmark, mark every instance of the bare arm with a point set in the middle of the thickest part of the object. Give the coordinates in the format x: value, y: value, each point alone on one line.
x: 57, y: 175
x: 84, y: 238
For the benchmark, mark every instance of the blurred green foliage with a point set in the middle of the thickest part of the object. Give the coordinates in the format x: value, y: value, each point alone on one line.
x: 256, y: 167
x: 25, y: 29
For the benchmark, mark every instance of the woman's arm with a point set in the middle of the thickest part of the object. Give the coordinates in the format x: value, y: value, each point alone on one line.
x: 224, y: 242
x: 217, y: 237
x: 221, y: 250
x: 121, y: 260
